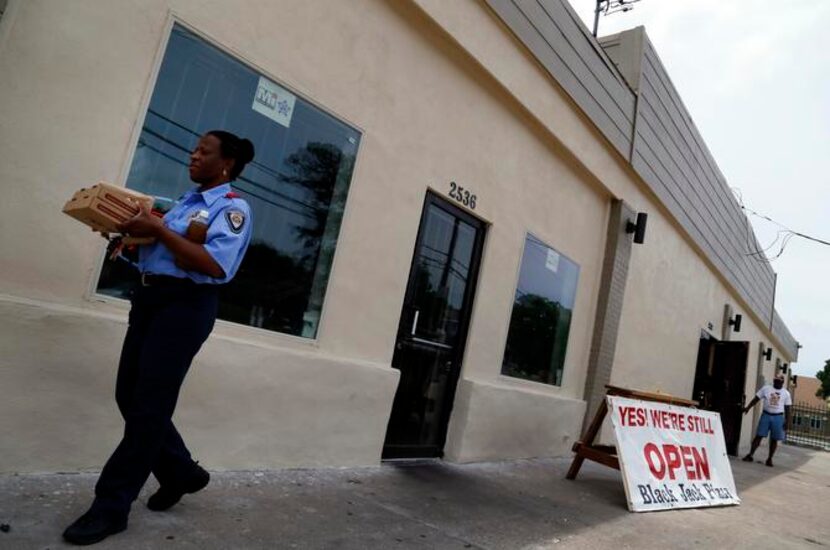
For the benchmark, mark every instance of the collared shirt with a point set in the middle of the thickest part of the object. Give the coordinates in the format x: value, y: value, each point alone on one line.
x: 228, y: 235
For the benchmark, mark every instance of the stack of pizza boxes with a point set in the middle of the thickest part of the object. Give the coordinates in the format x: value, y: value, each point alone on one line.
x: 103, y: 206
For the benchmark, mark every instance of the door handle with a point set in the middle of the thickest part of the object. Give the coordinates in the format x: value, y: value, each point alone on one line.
x: 415, y: 321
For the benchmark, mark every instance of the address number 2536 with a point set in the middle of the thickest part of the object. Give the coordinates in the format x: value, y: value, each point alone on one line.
x: 462, y: 195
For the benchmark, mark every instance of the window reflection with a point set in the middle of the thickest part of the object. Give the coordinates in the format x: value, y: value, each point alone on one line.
x: 296, y: 186
x: 442, y: 268
x: 540, y: 322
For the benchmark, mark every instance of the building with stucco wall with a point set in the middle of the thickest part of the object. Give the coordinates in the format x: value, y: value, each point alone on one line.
x: 442, y: 262
x: 810, y: 412
x: 805, y: 391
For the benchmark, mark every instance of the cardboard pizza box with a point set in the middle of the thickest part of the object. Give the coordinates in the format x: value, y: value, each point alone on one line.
x: 103, y: 206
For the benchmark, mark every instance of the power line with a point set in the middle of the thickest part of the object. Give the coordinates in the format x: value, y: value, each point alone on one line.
x: 749, y: 236
x: 761, y: 254
x: 786, y: 229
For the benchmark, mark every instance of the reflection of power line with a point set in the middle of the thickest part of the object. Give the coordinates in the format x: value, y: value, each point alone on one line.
x: 254, y: 162
x: 241, y: 178
x: 441, y: 265
x: 173, y: 122
x: 143, y: 143
x: 157, y: 150
x: 446, y: 255
x: 268, y: 170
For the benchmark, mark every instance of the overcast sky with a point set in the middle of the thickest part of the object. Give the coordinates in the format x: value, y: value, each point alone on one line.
x: 755, y: 76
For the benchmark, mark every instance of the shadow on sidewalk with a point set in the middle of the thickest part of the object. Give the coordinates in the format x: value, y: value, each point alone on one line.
x: 788, y: 458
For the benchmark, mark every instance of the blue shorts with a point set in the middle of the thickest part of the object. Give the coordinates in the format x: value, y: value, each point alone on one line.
x: 774, y: 423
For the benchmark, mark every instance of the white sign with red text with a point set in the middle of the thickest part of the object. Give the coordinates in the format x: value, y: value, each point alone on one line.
x: 671, y: 457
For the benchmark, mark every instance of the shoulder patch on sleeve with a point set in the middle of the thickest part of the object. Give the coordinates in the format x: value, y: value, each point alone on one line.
x: 236, y: 219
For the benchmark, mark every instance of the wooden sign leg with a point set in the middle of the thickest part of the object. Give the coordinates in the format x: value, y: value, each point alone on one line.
x: 587, y: 440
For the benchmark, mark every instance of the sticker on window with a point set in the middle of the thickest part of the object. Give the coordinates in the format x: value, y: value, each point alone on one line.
x: 274, y: 102
x: 552, y: 261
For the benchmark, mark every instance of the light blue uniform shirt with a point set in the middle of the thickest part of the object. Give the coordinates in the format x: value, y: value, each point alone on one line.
x: 228, y: 236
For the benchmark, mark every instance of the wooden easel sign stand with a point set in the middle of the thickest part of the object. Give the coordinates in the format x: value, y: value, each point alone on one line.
x: 670, y: 454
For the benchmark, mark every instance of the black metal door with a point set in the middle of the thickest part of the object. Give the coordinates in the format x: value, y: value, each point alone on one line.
x: 433, y: 329
x: 719, y: 385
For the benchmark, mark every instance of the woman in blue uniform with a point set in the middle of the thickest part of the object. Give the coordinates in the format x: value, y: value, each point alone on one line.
x: 173, y: 312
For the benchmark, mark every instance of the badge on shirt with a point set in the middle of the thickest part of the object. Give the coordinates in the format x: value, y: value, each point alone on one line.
x: 236, y: 220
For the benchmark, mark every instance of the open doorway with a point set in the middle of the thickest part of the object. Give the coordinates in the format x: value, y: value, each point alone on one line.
x: 720, y: 379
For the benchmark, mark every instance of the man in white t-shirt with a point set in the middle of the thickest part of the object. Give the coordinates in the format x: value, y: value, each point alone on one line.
x: 775, y: 418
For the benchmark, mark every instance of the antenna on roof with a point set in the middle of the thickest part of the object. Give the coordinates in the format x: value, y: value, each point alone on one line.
x: 607, y: 7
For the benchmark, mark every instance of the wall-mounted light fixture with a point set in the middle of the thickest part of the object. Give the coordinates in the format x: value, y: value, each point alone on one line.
x: 638, y: 228
x: 785, y: 367
x: 735, y: 322
x: 768, y: 354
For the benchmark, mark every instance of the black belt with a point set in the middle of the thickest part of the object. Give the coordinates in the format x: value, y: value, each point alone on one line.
x: 772, y: 414
x: 150, y: 279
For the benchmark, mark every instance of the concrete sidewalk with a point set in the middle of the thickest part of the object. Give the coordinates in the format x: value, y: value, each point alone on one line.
x: 511, y: 505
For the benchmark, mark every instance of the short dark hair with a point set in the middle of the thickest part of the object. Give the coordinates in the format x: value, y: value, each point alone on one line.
x: 241, y: 150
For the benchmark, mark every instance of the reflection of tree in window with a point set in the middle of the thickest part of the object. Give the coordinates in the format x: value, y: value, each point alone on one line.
x: 275, y: 303
x: 273, y: 289
x: 441, y: 272
x: 296, y: 186
x: 315, y: 168
x: 537, y: 339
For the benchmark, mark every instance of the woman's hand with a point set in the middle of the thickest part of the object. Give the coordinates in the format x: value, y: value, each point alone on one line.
x: 143, y: 224
x: 114, y: 248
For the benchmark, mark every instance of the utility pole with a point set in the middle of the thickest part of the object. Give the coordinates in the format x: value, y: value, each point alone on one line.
x: 607, y: 7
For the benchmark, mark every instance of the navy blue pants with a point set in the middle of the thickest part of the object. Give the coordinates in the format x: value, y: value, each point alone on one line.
x: 167, y: 326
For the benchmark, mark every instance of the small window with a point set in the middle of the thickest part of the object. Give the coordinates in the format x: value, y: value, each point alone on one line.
x: 296, y: 185
x: 541, y: 319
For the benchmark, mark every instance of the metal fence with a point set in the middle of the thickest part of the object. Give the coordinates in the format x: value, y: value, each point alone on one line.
x: 809, y: 426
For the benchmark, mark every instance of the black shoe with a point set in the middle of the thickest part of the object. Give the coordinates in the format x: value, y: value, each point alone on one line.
x: 166, y: 497
x: 748, y: 458
x: 93, y: 527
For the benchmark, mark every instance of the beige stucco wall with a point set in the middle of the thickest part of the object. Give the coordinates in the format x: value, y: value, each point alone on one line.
x: 671, y: 296
x: 672, y: 292
x: 441, y: 92
x: 429, y: 114
x: 244, y: 406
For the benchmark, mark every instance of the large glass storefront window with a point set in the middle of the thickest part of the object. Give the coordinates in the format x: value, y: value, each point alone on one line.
x: 540, y: 323
x: 296, y: 185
